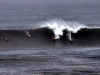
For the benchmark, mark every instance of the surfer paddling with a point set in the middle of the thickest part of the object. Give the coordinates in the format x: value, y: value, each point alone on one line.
x: 7, y: 39
x: 28, y: 34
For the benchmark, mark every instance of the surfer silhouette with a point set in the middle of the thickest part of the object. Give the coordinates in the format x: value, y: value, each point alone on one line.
x: 54, y: 39
x: 7, y: 39
x: 69, y: 36
x: 28, y: 34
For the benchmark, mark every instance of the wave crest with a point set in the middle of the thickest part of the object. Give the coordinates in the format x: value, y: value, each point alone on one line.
x: 59, y: 25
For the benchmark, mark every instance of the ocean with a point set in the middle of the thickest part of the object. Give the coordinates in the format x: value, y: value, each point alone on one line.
x: 34, y: 37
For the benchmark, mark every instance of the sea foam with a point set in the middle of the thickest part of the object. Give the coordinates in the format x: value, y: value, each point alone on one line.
x: 59, y: 25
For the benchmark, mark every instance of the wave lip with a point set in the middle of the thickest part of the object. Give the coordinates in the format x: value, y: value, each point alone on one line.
x: 58, y: 26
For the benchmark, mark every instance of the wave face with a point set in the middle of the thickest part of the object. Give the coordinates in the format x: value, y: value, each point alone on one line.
x: 43, y: 37
x: 82, y: 35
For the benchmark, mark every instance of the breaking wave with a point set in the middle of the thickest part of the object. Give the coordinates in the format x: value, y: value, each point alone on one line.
x: 59, y: 25
x: 81, y: 34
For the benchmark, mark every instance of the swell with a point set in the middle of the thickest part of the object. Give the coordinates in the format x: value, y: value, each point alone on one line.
x: 18, y: 39
x: 87, y: 33
x: 43, y: 37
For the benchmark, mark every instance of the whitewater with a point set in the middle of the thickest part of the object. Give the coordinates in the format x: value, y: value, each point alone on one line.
x: 59, y: 25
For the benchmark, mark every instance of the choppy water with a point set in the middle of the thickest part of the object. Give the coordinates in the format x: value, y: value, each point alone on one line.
x: 50, y: 62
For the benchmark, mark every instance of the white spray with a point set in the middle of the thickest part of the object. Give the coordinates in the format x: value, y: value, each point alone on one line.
x: 28, y: 34
x: 59, y: 25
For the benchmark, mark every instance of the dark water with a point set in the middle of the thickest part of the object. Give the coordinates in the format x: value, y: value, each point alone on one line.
x: 37, y: 53
x: 50, y: 61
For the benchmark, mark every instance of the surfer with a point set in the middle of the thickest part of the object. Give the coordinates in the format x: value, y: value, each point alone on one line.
x: 69, y: 36
x: 54, y: 39
x: 7, y: 39
x: 28, y: 34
